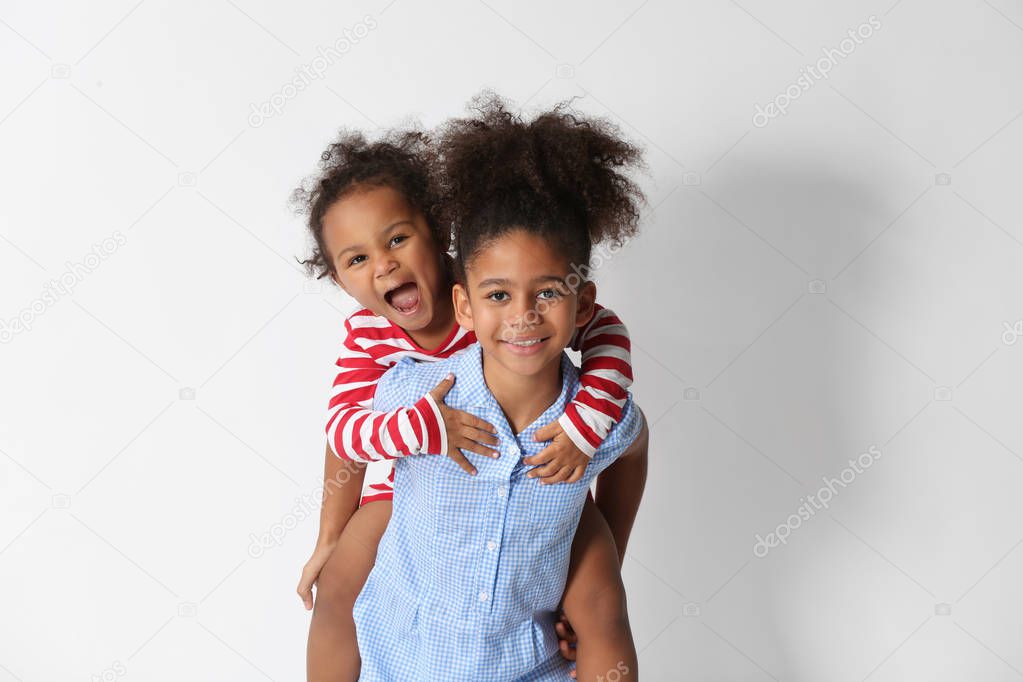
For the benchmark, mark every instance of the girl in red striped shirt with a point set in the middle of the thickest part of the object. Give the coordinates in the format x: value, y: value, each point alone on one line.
x: 375, y: 218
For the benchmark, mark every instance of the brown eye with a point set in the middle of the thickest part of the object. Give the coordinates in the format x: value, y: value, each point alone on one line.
x: 549, y: 294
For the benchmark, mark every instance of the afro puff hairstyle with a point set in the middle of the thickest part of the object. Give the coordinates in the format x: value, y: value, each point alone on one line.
x: 560, y: 175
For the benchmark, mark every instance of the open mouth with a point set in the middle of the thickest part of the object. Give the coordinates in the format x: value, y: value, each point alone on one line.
x: 404, y: 298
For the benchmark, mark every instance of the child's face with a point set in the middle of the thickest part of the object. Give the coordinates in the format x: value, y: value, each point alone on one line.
x: 384, y: 256
x: 518, y: 299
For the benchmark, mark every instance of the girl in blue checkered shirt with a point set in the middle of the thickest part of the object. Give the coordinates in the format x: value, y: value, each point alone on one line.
x: 467, y: 584
x: 373, y: 219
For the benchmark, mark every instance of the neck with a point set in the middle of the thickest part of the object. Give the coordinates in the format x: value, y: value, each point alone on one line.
x: 430, y: 336
x: 523, y: 398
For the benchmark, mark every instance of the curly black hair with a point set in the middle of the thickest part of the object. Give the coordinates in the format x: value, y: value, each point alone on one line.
x: 401, y: 159
x: 561, y: 176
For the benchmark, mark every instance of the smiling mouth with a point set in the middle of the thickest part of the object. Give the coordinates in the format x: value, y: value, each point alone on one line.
x: 525, y: 346
x: 404, y: 298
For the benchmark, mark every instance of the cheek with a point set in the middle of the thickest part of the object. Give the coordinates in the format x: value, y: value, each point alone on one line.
x: 424, y: 258
x: 358, y: 283
x: 488, y: 321
x: 484, y: 316
x: 563, y: 313
x: 557, y: 309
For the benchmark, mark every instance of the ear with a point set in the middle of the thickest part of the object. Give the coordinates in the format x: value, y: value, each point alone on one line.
x: 463, y: 310
x: 584, y: 304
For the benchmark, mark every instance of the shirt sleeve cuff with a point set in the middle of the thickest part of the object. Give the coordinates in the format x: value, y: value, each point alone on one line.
x: 436, y: 433
x: 577, y: 438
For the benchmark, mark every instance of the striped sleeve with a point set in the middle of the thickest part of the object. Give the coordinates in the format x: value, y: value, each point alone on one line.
x: 357, y: 432
x: 605, y: 377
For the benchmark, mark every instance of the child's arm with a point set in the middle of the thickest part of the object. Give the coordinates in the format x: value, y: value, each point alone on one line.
x: 620, y: 489
x: 358, y: 433
x: 605, y: 377
x: 342, y: 490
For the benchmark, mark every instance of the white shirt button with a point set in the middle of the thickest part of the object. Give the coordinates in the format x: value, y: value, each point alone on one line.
x: 491, y: 545
x: 502, y: 491
x: 483, y: 596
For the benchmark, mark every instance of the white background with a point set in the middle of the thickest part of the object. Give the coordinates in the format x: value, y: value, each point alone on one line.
x: 128, y: 508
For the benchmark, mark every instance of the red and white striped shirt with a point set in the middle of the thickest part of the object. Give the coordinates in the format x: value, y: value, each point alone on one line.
x: 373, y: 343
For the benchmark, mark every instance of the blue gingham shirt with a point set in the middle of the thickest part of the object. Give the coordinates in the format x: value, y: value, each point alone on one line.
x: 471, y: 569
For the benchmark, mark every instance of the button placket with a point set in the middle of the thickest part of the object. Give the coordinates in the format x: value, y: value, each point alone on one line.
x: 491, y: 555
x: 488, y: 539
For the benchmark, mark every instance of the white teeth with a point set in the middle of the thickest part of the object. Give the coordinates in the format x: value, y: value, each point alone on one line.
x: 525, y: 343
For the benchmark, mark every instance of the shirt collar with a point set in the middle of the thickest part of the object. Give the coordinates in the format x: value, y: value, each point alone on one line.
x: 469, y: 376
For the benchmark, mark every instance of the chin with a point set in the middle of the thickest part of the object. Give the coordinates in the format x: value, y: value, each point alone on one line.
x: 525, y: 366
x: 416, y: 322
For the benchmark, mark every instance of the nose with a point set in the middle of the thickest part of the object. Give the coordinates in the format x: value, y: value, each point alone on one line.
x: 385, y: 265
x: 523, y: 313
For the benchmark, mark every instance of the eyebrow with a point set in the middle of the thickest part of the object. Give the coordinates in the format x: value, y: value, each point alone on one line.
x: 358, y: 247
x: 501, y: 281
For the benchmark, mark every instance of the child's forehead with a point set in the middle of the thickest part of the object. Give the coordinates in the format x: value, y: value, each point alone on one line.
x: 363, y: 214
x: 362, y: 198
x: 520, y: 257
